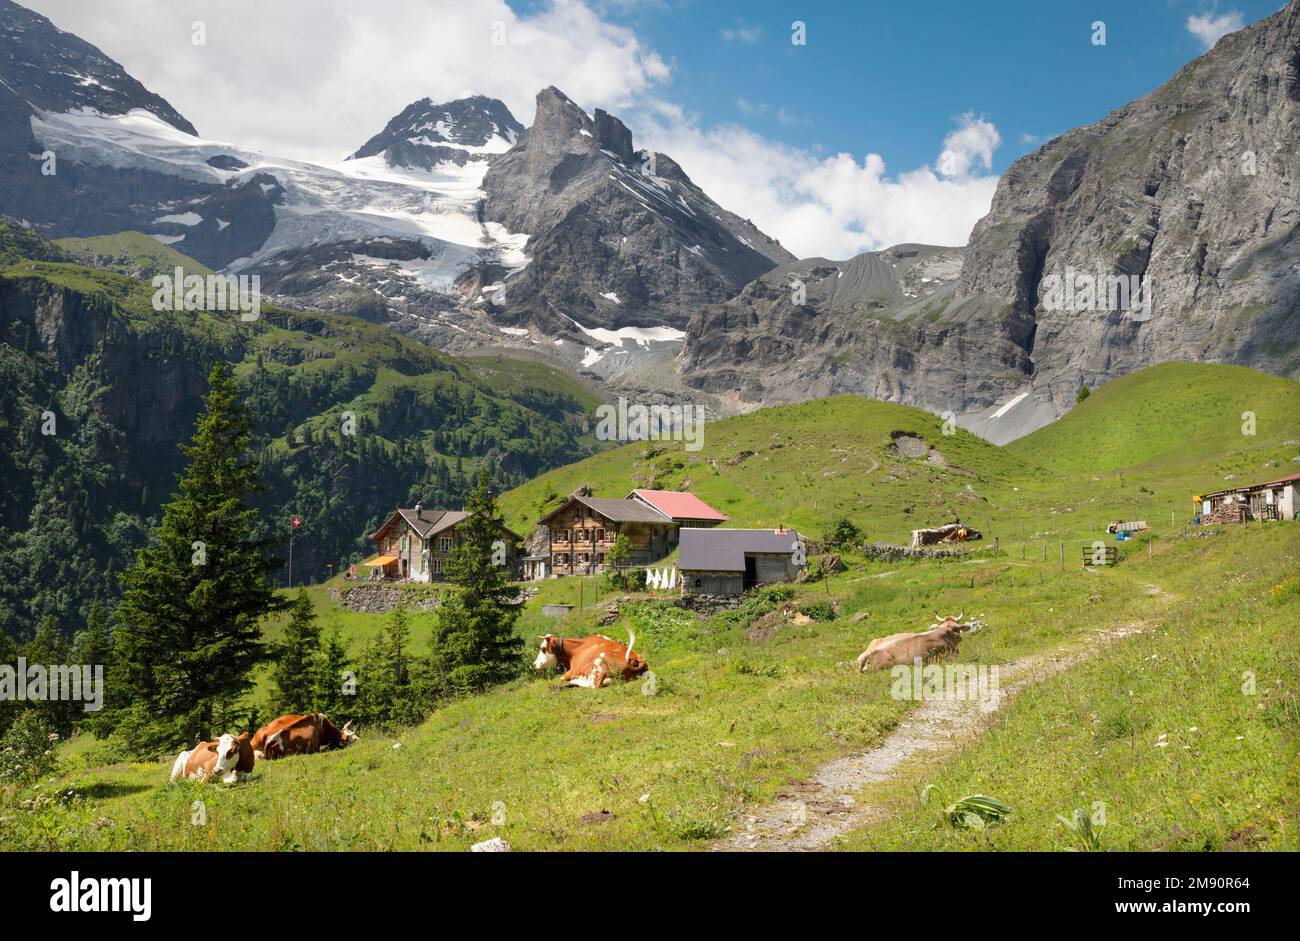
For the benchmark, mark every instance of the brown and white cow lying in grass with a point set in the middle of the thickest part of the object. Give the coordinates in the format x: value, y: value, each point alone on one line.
x: 943, y: 637
x: 590, y: 661
x: 300, y: 735
x: 228, y: 758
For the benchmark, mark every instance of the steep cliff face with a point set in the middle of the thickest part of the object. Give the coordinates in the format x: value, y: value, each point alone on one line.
x: 617, y: 237
x: 1194, y: 190
x: 1185, y: 203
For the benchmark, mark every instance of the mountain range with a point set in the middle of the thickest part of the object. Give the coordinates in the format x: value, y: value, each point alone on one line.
x: 458, y: 226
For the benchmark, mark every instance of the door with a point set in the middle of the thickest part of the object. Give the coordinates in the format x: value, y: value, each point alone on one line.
x: 751, y: 572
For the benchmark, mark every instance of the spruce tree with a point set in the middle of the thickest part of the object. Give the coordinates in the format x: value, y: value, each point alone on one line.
x: 297, y: 658
x: 334, y: 698
x: 49, y: 648
x: 188, y: 635
x: 474, y: 641
x: 93, y: 647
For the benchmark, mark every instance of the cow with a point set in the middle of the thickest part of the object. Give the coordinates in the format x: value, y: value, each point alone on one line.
x: 590, y: 662
x: 228, y: 758
x: 904, y: 650
x: 300, y: 735
x: 940, y: 621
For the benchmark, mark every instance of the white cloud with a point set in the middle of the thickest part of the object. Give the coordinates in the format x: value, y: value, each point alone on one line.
x: 305, y: 79
x: 973, y: 141
x: 836, y: 206
x: 1209, y: 28
x: 315, y: 80
x: 743, y: 33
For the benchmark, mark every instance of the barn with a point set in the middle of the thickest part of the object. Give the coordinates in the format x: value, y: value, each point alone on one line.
x: 730, y: 561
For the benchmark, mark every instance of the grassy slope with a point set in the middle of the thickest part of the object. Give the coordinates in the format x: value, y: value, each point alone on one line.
x: 1162, y: 733
x: 735, y: 718
x: 141, y: 251
x: 801, y: 465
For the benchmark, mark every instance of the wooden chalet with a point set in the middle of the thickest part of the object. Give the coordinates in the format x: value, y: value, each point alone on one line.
x: 414, y: 545
x: 574, y: 539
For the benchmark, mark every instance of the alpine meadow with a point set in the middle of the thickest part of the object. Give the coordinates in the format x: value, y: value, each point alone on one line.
x: 609, y: 434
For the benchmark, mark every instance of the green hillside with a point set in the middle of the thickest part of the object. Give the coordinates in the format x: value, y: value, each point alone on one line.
x: 131, y: 253
x: 350, y: 418
x: 746, y: 703
x: 1166, y: 417
x: 1139, y: 447
x: 805, y: 466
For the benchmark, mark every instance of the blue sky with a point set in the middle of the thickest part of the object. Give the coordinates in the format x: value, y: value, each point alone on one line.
x: 888, y: 77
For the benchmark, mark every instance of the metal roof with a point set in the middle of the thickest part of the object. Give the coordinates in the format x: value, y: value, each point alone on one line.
x: 1290, y: 478
x: 724, y: 550
x: 679, y: 505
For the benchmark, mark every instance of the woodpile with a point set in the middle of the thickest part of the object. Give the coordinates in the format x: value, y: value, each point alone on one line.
x: 1229, y: 511
x: 952, y: 532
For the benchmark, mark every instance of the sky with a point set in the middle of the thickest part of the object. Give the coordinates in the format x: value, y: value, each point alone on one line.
x: 890, y: 122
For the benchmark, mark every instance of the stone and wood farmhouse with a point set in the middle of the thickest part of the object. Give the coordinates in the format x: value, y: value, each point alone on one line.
x: 574, y: 538
x: 415, y: 544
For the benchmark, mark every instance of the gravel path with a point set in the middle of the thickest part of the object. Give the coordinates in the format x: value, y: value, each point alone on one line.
x: 808, y: 815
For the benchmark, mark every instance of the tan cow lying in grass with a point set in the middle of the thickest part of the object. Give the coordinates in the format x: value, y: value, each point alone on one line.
x: 228, y: 758
x: 300, y: 735
x: 948, y: 624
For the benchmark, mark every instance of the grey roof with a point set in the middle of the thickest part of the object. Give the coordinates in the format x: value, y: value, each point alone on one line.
x: 724, y: 550
x: 619, y: 511
x: 428, y: 523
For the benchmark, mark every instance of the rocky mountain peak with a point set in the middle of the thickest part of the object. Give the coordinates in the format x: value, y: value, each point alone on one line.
x: 613, y: 135
x: 43, y: 67
x: 425, y: 133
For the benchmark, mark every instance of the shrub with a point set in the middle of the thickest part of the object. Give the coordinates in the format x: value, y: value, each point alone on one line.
x: 27, y: 749
x: 818, y: 610
x: 844, y: 534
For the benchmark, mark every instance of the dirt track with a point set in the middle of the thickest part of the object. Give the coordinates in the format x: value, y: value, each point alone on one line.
x: 808, y: 815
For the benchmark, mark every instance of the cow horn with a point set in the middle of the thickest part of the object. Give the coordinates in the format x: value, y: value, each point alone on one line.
x: 960, y: 616
x: 938, y: 616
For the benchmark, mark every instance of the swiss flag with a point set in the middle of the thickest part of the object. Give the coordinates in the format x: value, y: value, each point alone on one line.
x: 295, y: 521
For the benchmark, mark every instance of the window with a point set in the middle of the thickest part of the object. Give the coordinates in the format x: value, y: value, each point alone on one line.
x: 600, y: 535
x: 437, y: 566
x: 444, y: 543
x: 600, y: 558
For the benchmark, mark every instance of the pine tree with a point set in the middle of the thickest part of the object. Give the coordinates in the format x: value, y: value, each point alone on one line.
x: 188, y: 635
x: 297, y: 658
x: 48, y: 648
x: 93, y: 647
x: 616, y: 558
x: 332, y: 696
x: 474, y: 640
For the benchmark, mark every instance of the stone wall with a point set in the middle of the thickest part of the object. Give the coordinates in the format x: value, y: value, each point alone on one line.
x: 887, y: 553
x: 380, y: 599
